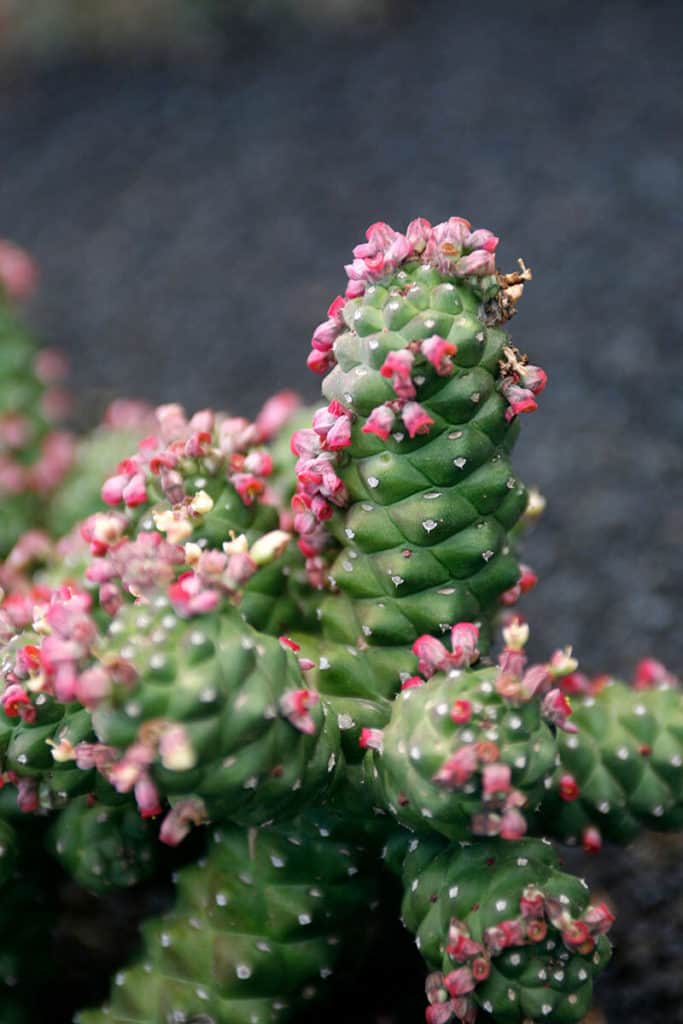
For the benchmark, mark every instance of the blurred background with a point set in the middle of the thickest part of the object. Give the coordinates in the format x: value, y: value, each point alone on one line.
x: 191, y: 176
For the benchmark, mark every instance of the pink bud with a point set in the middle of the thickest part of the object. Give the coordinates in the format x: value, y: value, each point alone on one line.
x: 320, y: 362
x: 464, y: 640
x: 275, y: 413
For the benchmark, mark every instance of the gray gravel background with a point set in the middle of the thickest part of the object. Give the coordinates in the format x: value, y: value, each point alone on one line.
x: 192, y: 223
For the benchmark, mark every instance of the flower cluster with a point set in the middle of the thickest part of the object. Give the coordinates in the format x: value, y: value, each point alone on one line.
x: 452, y: 247
x: 319, y: 488
x: 521, y: 383
x: 450, y: 994
x: 208, y: 443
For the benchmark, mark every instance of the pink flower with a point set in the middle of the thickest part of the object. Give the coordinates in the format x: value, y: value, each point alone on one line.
x: 479, y: 262
x: 599, y: 918
x: 295, y: 706
x: 431, y: 654
x: 416, y: 419
x: 437, y: 351
x: 371, y: 739
x: 591, y: 839
x: 178, y: 821
x: 461, y: 712
x: 495, y: 780
x: 320, y: 362
x: 275, y: 413
x: 379, y: 422
x: 460, y: 945
x: 17, y: 703
x: 248, y: 486
x: 18, y: 272
x: 339, y: 434
x: 135, y: 491
x: 398, y: 363
x: 147, y: 797
x: 557, y: 709
x: 519, y: 400
x: 533, y: 378
x: 650, y: 673
x: 482, y: 239
x: 459, y: 982
x: 418, y: 234
x: 458, y: 768
x: 189, y: 597
x: 513, y: 824
x: 532, y: 904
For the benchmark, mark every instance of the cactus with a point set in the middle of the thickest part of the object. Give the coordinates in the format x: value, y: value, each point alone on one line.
x: 33, y: 455
x: 293, y: 654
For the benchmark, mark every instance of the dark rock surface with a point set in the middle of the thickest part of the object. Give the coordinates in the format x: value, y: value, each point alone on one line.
x: 192, y: 224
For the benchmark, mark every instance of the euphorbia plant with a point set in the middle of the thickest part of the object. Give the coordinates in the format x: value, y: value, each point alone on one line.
x: 297, y: 655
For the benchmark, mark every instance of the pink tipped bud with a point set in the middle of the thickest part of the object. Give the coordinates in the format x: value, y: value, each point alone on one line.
x: 27, y: 795
x: 371, y: 739
x: 379, y: 422
x: 135, y: 491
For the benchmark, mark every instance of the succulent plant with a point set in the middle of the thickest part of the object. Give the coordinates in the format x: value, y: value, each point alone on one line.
x: 294, y: 655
